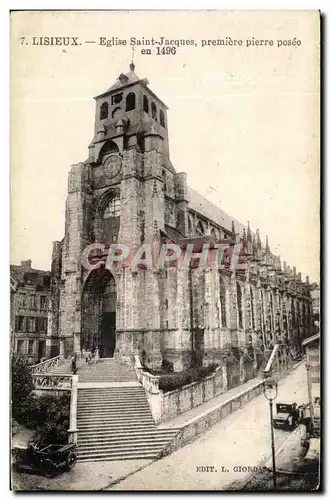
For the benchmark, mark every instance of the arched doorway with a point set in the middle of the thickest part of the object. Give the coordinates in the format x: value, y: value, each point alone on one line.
x: 99, y: 313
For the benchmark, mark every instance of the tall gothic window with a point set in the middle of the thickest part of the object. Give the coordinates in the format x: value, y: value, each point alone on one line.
x: 145, y: 104
x: 130, y: 101
x: 262, y: 311
x: 162, y: 118
x: 252, y: 308
x: 104, y: 111
x: 113, y: 208
x: 223, y: 303
x: 285, y: 317
x: 239, y: 305
x: 271, y: 311
x: 293, y: 313
x: 190, y: 227
x: 154, y: 111
x: 164, y: 179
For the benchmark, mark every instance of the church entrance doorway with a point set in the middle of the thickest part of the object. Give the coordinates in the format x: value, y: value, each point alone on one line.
x: 98, y: 329
x: 108, y: 336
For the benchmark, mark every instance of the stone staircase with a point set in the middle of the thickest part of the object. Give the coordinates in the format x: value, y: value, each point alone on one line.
x: 114, y: 420
x: 115, y: 423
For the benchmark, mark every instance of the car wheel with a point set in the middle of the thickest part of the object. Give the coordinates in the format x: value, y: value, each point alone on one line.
x: 71, y: 461
x: 49, y: 468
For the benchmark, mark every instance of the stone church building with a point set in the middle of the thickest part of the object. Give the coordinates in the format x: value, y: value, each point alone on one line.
x: 128, y: 191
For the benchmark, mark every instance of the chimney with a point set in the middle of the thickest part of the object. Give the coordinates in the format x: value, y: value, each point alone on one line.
x: 26, y: 264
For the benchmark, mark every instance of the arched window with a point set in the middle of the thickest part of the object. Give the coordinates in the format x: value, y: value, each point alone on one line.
x: 104, y: 111
x: 153, y: 111
x: 112, y: 209
x: 252, y: 308
x: 130, y: 101
x: 223, y: 303
x: 145, y: 104
x: 162, y: 118
x: 213, y: 232
x: 164, y: 179
x: 262, y: 317
x: 239, y: 305
x: 293, y: 314
x: 285, y: 316
x: 271, y: 311
x: 107, y: 148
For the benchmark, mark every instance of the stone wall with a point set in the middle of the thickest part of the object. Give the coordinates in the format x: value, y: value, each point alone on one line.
x: 174, y: 403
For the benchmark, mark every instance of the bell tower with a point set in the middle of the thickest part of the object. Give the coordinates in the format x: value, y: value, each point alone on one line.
x: 126, y: 113
x: 127, y: 192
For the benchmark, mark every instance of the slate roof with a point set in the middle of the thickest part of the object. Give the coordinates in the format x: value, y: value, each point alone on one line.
x: 201, y: 205
x: 23, y: 275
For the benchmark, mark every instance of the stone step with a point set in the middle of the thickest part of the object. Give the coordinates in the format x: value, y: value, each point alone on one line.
x: 112, y: 414
x: 127, y: 400
x: 84, y: 431
x: 115, y: 425
x: 119, y: 388
x: 136, y: 432
x: 113, y: 398
x: 114, y: 403
x: 125, y: 448
x: 105, y: 457
x: 149, y: 446
x: 100, y: 432
x: 97, y: 417
x: 147, y: 437
x: 143, y: 419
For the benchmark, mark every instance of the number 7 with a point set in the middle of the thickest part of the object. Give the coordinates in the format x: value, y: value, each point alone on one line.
x: 22, y: 39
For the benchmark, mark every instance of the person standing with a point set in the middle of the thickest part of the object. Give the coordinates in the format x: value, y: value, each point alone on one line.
x: 97, y: 355
x: 74, y: 363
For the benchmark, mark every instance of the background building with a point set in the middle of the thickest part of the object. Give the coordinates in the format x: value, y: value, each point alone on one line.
x: 312, y: 346
x: 29, y: 310
x: 315, y: 294
x: 128, y: 191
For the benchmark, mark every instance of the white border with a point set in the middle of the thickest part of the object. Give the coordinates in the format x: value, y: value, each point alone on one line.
x: 322, y: 5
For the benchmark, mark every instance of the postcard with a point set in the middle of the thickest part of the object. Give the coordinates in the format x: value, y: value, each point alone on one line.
x: 165, y: 242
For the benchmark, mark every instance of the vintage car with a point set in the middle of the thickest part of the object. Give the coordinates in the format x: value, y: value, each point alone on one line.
x: 49, y: 460
x: 287, y: 416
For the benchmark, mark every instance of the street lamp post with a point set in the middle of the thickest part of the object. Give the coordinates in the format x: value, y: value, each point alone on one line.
x: 270, y: 393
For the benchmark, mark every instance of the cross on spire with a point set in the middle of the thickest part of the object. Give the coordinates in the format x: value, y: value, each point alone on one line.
x: 132, y: 65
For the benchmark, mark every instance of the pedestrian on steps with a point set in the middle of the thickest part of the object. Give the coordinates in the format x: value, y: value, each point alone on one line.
x: 97, y: 355
x: 74, y: 363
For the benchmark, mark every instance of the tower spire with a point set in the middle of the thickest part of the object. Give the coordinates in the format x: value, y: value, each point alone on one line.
x: 132, y: 65
x: 248, y: 231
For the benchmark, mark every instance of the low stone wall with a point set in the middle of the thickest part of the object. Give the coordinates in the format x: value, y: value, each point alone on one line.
x: 205, y: 421
x: 201, y: 423
x: 167, y: 405
x: 185, y: 398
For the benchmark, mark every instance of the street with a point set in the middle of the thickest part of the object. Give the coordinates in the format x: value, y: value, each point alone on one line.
x: 223, y: 455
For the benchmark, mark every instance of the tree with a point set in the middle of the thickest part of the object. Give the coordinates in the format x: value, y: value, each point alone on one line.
x: 21, y: 387
x: 49, y: 416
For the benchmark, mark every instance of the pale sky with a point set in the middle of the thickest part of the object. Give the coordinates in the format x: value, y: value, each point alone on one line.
x: 243, y: 121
